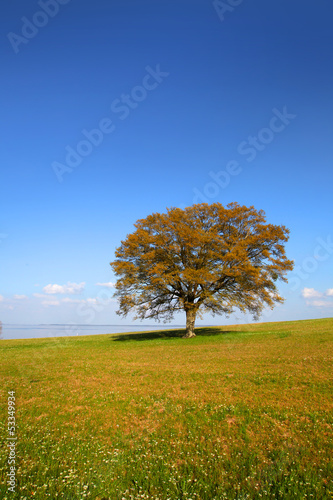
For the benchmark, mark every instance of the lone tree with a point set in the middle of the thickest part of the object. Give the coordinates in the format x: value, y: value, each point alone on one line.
x: 205, y: 258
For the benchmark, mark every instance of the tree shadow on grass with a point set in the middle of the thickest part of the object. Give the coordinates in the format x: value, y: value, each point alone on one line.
x: 168, y: 334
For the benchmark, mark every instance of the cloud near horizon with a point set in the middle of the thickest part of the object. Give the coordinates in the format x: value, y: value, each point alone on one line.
x: 70, y: 288
x: 51, y: 303
x: 40, y: 295
x: 97, y: 302
x: 309, y: 293
x: 69, y: 300
x: 315, y: 298
x: 107, y: 285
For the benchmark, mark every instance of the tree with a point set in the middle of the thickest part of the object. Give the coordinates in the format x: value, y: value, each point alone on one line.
x: 205, y: 258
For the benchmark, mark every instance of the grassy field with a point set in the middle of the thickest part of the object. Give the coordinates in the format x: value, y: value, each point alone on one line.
x: 237, y: 412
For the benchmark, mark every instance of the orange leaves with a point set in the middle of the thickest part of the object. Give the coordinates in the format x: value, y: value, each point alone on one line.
x: 211, y: 256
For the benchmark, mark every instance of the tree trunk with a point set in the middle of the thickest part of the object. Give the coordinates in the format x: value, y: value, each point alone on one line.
x: 190, y: 322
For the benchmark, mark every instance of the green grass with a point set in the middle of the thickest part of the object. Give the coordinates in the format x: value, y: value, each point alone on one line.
x: 237, y: 412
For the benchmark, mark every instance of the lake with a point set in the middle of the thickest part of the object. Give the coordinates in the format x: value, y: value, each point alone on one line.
x: 40, y: 331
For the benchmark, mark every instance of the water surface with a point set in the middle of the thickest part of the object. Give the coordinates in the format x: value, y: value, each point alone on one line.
x: 42, y: 331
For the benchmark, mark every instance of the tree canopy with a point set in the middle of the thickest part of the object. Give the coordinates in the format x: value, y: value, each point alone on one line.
x: 204, y: 258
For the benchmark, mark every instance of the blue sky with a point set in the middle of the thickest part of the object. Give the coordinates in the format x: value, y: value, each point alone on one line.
x: 112, y: 110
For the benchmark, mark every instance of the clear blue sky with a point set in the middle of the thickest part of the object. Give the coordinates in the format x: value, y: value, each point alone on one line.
x: 195, y: 103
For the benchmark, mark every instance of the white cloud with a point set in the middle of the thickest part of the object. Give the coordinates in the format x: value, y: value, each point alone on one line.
x: 71, y: 288
x: 1, y: 298
x: 310, y: 293
x: 68, y: 300
x: 317, y: 299
x: 322, y: 303
x: 88, y: 300
x: 107, y: 285
x: 92, y: 300
x: 47, y: 303
x: 19, y: 297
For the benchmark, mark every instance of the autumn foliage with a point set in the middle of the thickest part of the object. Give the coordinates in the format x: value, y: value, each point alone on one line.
x: 205, y: 258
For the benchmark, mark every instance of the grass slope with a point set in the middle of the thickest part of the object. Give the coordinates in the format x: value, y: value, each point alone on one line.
x: 237, y: 412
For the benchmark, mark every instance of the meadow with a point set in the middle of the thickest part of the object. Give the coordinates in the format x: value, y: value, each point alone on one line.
x: 238, y: 412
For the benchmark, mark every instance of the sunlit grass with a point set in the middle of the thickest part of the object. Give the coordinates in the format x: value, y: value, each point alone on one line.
x: 237, y: 412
